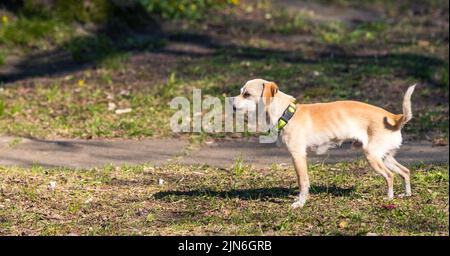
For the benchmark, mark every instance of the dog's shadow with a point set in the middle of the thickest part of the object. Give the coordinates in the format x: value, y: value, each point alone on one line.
x: 256, y: 193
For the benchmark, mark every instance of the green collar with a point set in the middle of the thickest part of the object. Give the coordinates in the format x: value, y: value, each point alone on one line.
x: 284, y: 119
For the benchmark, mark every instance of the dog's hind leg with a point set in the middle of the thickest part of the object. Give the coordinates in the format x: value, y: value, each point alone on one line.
x: 378, y: 165
x: 301, y: 168
x: 396, y: 167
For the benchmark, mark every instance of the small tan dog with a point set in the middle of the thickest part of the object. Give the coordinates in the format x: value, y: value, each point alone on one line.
x: 323, y: 125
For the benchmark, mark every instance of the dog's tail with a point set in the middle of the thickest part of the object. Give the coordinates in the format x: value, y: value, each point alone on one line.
x: 402, y: 119
x: 407, y: 112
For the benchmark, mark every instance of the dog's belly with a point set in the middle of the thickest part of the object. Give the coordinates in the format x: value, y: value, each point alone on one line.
x: 321, y: 143
x: 323, y: 148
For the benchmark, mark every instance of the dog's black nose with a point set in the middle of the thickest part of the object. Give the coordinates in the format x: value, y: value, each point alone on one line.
x: 234, y: 108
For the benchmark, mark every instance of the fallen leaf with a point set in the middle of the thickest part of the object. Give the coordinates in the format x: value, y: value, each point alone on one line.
x: 423, y: 43
x: 343, y: 224
x: 111, y: 106
x: 440, y: 142
x: 123, y: 111
x: 52, y: 185
x: 149, y: 169
x: 124, y: 92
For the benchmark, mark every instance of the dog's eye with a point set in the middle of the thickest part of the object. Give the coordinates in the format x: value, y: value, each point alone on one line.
x: 246, y: 95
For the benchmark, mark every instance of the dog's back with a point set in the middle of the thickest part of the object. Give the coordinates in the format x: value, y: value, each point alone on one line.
x: 377, y: 129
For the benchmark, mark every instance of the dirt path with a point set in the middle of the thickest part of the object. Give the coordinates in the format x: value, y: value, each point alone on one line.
x: 97, y: 153
x: 86, y: 153
x: 260, y: 155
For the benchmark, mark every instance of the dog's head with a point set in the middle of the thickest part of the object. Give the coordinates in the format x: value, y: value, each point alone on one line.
x: 254, y: 92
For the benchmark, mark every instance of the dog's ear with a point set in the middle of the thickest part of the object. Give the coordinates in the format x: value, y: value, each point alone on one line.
x: 269, y: 91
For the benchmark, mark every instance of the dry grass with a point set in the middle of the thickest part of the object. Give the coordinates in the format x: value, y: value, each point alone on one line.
x: 200, y: 200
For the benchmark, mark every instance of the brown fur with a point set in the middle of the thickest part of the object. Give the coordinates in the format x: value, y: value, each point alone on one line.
x: 269, y: 90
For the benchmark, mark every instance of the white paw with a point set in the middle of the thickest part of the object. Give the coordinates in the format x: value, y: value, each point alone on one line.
x: 297, y: 204
x: 402, y: 195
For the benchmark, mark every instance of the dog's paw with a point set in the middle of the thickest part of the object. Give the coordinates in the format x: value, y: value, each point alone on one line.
x: 297, y: 204
x: 390, y: 196
x: 402, y: 195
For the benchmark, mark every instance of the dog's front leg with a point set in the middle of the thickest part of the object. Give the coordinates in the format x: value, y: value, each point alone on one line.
x: 301, y: 169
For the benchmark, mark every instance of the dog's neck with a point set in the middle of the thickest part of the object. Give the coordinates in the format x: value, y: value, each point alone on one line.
x: 278, y: 105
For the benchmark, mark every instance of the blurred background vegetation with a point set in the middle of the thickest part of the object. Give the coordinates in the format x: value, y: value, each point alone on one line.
x: 104, y: 68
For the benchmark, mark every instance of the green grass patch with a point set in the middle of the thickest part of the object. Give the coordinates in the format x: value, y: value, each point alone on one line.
x: 31, y: 32
x: 98, y: 49
x: 340, y: 34
x: 83, y: 110
x: 346, y: 199
x: 2, y: 57
x: 187, y: 9
x: 2, y: 106
x: 430, y: 119
x: 285, y: 23
x: 71, y: 109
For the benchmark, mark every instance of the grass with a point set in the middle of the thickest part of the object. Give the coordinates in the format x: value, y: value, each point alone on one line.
x: 96, y: 49
x: 66, y: 109
x: 25, y: 33
x: 366, y: 33
x: 82, y: 110
x: 31, y: 33
x: 2, y: 57
x: 370, y: 61
x: 346, y: 199
x: 331, y: 32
